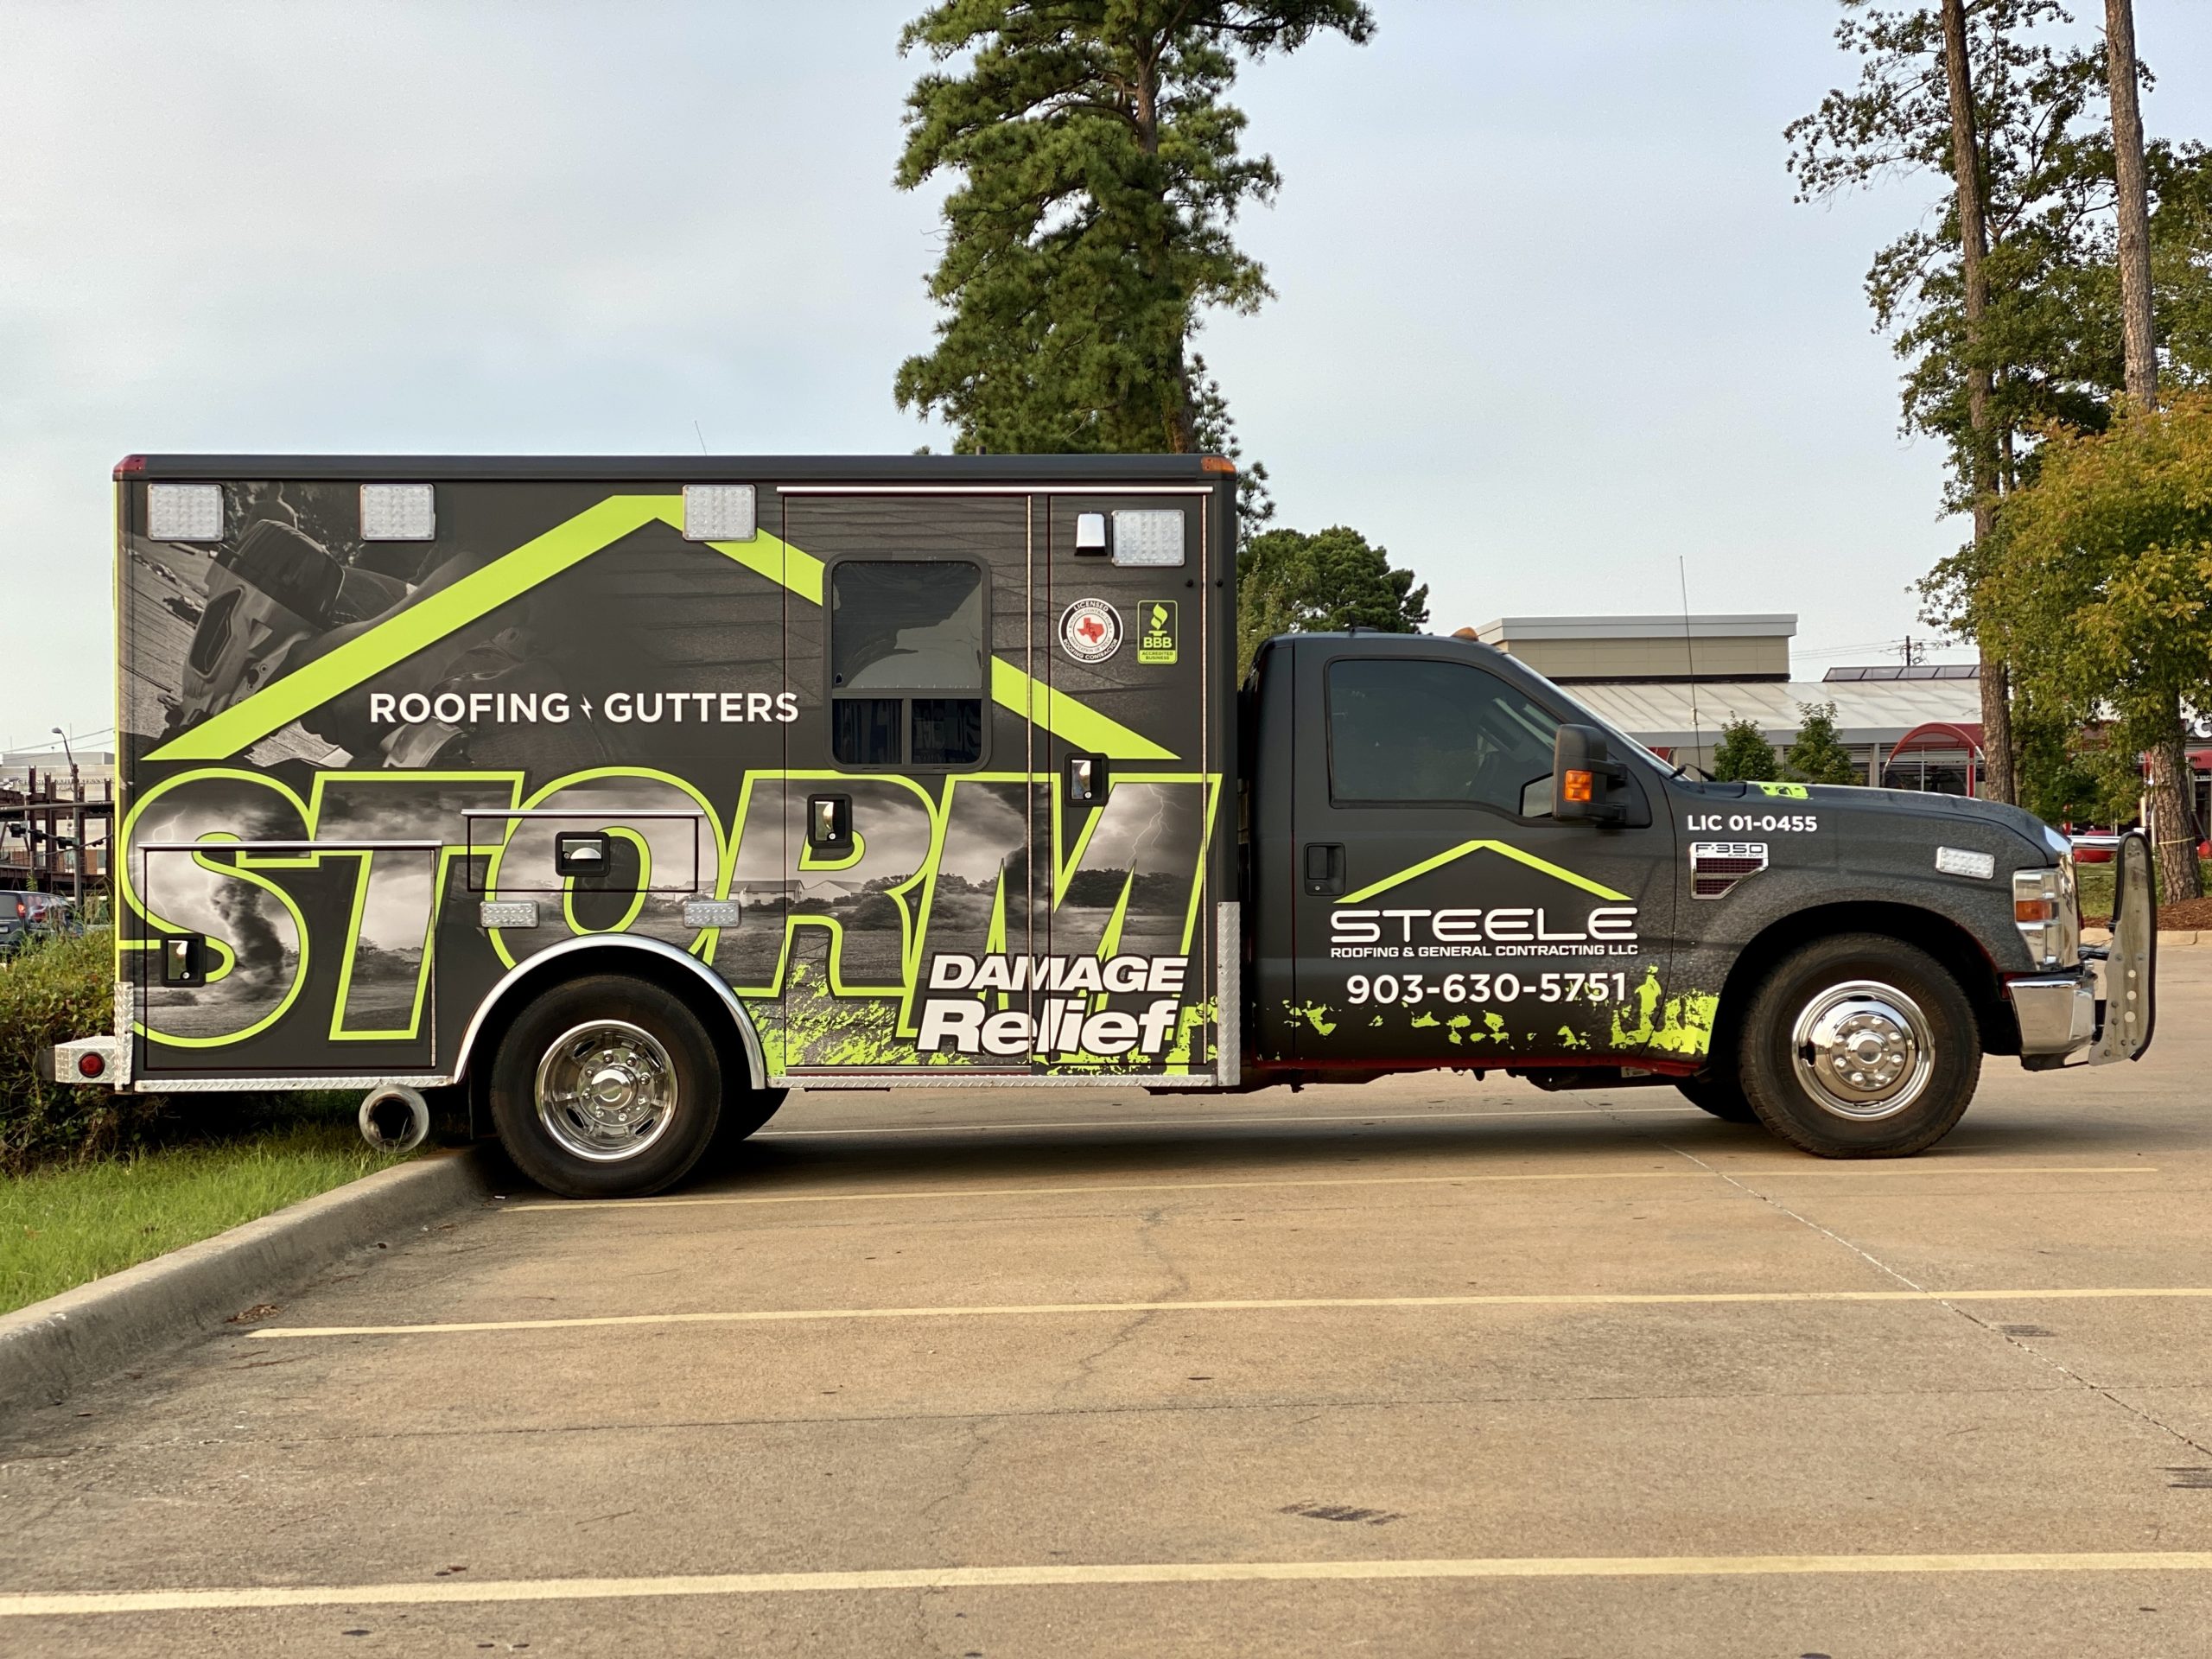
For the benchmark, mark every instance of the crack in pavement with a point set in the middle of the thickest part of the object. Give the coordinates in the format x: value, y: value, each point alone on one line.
x: 1995, y: 1330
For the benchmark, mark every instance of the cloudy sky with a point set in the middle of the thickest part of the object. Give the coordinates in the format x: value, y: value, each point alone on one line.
x: 1548, y: 318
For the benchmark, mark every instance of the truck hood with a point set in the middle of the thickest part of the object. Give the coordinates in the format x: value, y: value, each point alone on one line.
x: 2019, y: 820
x: 1904, y: 803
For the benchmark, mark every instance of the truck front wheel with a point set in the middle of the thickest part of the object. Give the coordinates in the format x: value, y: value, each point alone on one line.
x: 605, y: 1087
x: 1860, y: 1046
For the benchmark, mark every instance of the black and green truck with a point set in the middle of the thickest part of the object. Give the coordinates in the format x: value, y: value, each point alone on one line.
x: 597, y: 804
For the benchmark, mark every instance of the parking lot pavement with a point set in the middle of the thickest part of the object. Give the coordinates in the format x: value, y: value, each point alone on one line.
x: 1429, y: 1366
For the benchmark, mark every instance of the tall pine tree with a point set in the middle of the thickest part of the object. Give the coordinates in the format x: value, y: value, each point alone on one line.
x: 1099, y: 173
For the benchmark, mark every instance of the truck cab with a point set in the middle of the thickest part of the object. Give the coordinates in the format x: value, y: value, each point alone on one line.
x: 1447, y: 862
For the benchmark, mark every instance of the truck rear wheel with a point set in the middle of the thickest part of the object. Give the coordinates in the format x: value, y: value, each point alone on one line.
x: 1860, y: 1046
x: 605, y: 1087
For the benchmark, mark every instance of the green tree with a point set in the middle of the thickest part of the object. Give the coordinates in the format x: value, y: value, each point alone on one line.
x: 1290, y: 582
x: 1099, y: 173
x: 2006, y: 305
x: 2102, y: 585
x: 2070, y: 771
x: 1744, y: 756
x: 1817, y: 754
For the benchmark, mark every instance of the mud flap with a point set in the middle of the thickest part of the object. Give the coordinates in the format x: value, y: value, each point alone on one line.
x: 2129, y: 1008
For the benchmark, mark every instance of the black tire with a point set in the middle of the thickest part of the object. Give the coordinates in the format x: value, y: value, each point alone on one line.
x: 1721, y: 1092
x: 651, y: 1120
x: 744, y: 1111
x: 1860, y: 1046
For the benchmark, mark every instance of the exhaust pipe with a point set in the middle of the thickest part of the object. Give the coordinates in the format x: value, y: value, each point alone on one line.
x: 395, y: 1118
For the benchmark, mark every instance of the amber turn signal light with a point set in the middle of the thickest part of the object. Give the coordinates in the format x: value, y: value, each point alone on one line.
x: 2035, y: 910
x: 1576, y: 786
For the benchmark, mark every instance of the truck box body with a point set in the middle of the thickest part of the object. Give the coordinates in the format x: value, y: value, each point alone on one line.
x: 828, y: 761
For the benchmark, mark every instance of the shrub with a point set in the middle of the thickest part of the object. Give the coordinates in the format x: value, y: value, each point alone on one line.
x: 1743, y: 755
x: 57, y: 990
x: 51, y: 991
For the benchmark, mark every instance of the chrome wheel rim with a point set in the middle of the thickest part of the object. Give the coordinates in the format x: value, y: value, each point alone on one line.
x: 607, y: 1090
x: 1863, y: 1050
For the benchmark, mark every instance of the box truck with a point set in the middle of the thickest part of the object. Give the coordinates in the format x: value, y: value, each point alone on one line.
x: 596, y: 804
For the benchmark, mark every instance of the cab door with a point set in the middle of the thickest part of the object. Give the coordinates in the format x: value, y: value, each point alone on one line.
x: 1441, y: 914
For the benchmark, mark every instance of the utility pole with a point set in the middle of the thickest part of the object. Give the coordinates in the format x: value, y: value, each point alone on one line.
x: 1974, y: 248
x: 76, y: 824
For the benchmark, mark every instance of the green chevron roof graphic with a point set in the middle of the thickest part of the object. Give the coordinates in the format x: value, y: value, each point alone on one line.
x: 1499, y: 847
x: 511, y: 574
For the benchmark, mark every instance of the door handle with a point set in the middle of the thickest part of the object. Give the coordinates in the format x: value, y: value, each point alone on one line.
x: 587, y: 853
x: 830, y: 823
x: 1325, y: 867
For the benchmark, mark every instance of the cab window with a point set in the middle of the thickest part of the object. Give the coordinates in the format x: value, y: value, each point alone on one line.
x: 1404, y: 729
x: 907, y: 662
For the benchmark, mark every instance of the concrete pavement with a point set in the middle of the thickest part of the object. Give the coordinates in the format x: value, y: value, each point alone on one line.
x: 1457, y: 1367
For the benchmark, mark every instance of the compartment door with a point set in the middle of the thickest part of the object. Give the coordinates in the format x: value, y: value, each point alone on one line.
x: 287, y: 962
x: 1128, y: 922
x: 911, y: 807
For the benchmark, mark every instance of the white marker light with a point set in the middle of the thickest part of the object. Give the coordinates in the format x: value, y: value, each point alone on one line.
x: 1957, y: 861
x: 398, y: 513
x: 184, y: 512
x: 718, y: 512
x: 1149, y: 536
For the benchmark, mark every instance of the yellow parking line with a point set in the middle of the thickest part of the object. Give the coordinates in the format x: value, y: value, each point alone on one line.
x: 1270, y: 1303
x: 67, y: 1604
x: 573, y: 1206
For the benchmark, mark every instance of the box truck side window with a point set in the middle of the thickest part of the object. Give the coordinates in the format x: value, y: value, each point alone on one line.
x: 1403, y: 729
x: 907, y: 662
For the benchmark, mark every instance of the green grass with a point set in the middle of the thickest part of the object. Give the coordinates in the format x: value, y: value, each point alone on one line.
x: 60, y: 1227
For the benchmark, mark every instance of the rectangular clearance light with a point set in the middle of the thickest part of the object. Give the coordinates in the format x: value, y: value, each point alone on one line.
x: 718, y: 512
x: 184, y: 512
x: 1149, y: 536
x: 399, y: 513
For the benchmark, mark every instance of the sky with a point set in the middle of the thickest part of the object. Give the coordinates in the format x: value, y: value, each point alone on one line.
x: 1547, y: 324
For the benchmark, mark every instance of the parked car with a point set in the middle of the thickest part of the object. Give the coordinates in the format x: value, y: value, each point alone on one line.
x: 27, y: 916
x: 2093, y: 845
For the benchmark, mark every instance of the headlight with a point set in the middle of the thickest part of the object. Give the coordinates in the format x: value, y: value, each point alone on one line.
x: 2047, y: 909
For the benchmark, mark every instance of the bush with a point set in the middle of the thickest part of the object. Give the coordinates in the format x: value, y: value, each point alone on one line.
x: 51, y: 991
x: 1743, y: 755
x: 57, y: 990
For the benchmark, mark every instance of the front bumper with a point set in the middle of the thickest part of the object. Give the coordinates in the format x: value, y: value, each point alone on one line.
x: 2057, y: 1014
x: 2061, y: 1015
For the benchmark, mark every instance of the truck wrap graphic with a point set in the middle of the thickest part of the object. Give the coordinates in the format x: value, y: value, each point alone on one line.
x: 340, y: 751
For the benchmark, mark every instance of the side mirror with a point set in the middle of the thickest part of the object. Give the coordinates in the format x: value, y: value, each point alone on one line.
x: 1582, y: 777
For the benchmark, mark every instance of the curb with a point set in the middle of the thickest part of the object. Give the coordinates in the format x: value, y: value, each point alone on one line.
x: 82, y: 1335
x: 2169, y: 938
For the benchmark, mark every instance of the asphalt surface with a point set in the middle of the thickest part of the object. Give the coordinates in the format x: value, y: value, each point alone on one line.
x: 1425, y: 1367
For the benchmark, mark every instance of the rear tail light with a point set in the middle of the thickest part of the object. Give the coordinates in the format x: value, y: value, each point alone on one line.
x: 90, y: 1063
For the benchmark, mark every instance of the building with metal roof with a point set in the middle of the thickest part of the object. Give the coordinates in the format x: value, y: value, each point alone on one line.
x: 1673, y: 683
